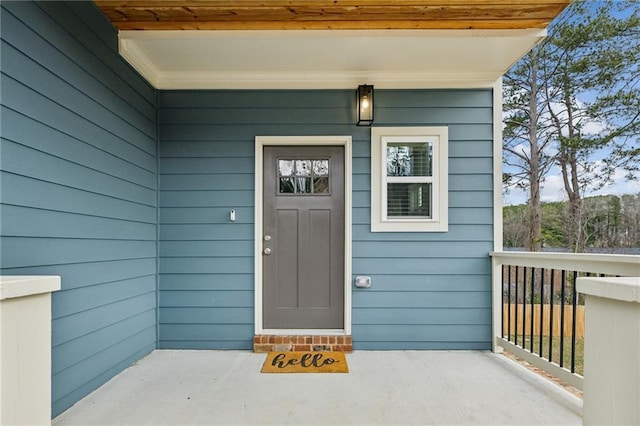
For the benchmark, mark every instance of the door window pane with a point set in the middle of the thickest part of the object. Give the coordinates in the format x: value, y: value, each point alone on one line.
x: 302, y: 176
x: 321, y: 167
x: 287, y: 185
x: 303, y: 167
x: 285, y: 167
x: 304, y: 185
x: 321, y: 185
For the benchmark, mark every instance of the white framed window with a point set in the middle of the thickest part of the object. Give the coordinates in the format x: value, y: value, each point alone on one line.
x: 409, y: 179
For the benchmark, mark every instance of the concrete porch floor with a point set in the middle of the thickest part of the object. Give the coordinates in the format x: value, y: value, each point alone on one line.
x: 387, y: 387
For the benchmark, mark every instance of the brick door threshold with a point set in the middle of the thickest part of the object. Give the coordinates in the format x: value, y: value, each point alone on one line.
x: 269, y: 343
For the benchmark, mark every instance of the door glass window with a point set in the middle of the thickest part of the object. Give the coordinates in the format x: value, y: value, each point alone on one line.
x: 303, y: 177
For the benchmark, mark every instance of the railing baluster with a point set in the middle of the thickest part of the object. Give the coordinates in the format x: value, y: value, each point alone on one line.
x: 516, y: 317
x: 533, y: 289
x: 573, y: 323
x: 551, y: 296
x: 502, y: 304
x: 563, y: 284
x: 524, y: 308
x: 509, y: 304
x: 541, y: 310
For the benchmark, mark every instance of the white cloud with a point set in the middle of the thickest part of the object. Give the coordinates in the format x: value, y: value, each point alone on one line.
x: 553, y: 189
x: 619, y: 186
x: 593, y: 127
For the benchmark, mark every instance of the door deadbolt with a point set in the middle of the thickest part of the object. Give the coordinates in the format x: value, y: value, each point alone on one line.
x: 267, y: 237
x: 267, y: 251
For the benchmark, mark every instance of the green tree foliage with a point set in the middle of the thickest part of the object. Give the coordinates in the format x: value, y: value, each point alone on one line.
x: 611, y: 223
x: 573, y: 96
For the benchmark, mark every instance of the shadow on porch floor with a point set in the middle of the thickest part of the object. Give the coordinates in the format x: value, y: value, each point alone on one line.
x: 390, y: 387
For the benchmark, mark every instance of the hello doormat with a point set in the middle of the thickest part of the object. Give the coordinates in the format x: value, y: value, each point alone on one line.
x: 305, y: 362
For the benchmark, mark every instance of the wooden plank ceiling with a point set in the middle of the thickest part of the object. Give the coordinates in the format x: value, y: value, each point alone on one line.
x: 330, y: 14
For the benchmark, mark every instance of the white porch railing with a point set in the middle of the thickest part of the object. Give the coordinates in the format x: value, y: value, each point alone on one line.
x: 532, y: 277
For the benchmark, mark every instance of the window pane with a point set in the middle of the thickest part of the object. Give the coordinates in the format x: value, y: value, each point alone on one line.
x: 321, y: 185
x: 303, y: 167
x: 285, y: 167
x: 304, y: 185
x: 287, y: 185
x: 409, y: 199
x: 409, y: 159
x: 321, y: 167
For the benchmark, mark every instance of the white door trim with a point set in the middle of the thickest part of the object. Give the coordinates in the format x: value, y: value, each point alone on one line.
x: 261, y: 142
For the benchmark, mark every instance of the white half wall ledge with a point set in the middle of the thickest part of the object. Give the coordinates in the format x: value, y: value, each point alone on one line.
x: 25, y: 349
x: 12, y: 286
x: 626, y: 289
x: 611, y: 350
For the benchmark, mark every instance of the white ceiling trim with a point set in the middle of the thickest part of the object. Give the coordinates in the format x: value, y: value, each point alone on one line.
x: 393, y: 59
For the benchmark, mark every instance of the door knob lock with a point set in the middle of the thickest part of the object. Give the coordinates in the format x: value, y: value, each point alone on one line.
x: 267, y: 251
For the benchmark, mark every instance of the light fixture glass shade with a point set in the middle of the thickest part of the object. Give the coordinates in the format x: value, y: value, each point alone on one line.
x: 365, y: 105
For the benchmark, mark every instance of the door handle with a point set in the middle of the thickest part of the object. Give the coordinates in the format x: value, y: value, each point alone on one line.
x: 267, y: 251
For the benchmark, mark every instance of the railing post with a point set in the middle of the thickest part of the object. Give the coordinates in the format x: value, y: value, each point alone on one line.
x: 612, y: 350
x: 496, y: 315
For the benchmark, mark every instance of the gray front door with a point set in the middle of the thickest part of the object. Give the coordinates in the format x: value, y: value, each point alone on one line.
x: 303, y: 241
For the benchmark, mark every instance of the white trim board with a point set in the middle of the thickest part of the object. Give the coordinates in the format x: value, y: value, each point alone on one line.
x: 324, y: 59
x: 260, y: 143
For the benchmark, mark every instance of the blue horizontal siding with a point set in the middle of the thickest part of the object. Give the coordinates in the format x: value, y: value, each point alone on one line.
x: 79, y: 187
x: 203, y: 215
x: 206, y: 265
x: 457, y: 216
x: 431, y: 283
x: 25, y: 161
x: 207, y: 232
x: 431, y: 345
x: 74, y: 326
x: 206, y: 249
x: 74, y: 383
x: 80, y: 275
x: 206, y: 298
x: 430, y: 290
x: 202, y: 343
x: 208, y: 315
x: 423, y: 299
x: 225, y: 332
x: 206, y: 169
x: 71, y: 302
x: 213, y: 282
x: 412, y: 332
x: 29, y: 192
x: 420, y: 316
x: 206, y: 199
x: 19, y: 252
x: 427, y: 250
x: 89, y: 345
x: 25, y: 221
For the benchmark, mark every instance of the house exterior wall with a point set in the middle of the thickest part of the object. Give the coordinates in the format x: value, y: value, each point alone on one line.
x: 430, y: 290
x: 78, y: 187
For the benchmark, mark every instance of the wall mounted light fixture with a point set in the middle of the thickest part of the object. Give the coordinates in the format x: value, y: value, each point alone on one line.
x: 365, y: 105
